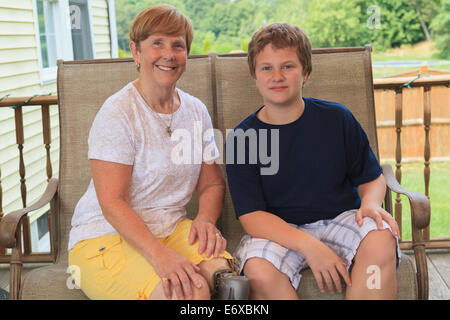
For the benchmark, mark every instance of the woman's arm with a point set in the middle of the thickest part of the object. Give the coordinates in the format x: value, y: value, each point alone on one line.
x: 112, y: 184
x: 210, y: 190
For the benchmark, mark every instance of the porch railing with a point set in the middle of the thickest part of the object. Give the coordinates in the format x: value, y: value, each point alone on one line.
x: 18, y: 103
x: 399, y: 87
x: 392, y: 84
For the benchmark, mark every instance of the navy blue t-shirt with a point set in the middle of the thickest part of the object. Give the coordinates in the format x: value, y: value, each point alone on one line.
x: 304, y: 171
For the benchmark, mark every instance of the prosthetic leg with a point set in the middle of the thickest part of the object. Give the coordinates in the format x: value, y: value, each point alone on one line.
x: 228, y: 286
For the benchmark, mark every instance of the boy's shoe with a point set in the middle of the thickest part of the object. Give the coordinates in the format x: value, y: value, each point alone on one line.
x: 230, y: 287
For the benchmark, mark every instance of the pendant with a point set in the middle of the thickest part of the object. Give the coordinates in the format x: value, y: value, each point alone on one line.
x: 169, y: 131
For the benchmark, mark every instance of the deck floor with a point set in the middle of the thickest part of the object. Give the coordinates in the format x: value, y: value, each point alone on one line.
x: 438, y: 273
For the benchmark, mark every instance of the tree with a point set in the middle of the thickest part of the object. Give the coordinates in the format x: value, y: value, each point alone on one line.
x: 333, y: 23
x: 422, y: 23
x: 328, y: 23
x: 440, y: 26
x: 399, y: 23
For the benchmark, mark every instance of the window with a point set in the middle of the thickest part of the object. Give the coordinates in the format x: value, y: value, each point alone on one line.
x: 42, y: 225
x: 46, y: 35
x: 63, y: 31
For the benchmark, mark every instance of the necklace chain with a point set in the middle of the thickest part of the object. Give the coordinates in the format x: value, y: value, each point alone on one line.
x: 168, y: 127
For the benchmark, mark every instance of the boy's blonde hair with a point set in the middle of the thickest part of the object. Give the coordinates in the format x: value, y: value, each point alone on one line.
x: 280, y: 35
x: 164, y: 19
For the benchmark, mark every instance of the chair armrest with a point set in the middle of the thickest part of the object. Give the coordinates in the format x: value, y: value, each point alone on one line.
x: 420, y: 205
x: 11, y: 221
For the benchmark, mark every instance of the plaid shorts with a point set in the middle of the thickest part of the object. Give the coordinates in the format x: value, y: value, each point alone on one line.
x: 341, y: 234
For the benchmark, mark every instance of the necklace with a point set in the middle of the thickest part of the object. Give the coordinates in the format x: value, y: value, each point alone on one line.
x: 168, y: 127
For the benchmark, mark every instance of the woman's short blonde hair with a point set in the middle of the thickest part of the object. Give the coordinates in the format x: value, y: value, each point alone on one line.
x: 164, y: 19
x: 280, y: 35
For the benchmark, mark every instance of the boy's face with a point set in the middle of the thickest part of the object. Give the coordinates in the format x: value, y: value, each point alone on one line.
x: 279, y: 75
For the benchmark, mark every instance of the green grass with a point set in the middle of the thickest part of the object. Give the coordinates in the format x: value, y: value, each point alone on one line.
x: 439, y: 193
x: 423, y: 51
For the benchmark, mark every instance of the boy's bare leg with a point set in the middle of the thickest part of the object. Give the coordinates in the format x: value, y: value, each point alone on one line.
x: 267, y: 282
x: 374, y: 274
x: 197, y: 294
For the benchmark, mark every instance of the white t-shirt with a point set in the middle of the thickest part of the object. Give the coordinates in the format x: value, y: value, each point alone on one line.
x: 165, y: 168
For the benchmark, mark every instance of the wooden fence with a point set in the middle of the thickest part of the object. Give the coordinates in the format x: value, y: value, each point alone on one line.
x: 413, y: 112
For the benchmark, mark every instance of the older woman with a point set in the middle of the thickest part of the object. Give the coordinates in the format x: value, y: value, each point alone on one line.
x: 129, y: 235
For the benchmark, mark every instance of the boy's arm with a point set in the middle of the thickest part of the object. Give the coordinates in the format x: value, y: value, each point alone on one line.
x: 324, y: 263
x: 262, y: 224
x: 372, y: 194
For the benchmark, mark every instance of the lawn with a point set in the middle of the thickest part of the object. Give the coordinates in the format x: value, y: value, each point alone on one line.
x: 413, y: 180
x: 423, y: 51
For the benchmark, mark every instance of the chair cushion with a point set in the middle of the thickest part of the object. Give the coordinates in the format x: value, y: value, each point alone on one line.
x: 50, y: 283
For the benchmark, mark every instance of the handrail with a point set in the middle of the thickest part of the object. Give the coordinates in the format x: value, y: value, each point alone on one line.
x: 36, y: 101
x: 17, y: 103
x: 392, y: 83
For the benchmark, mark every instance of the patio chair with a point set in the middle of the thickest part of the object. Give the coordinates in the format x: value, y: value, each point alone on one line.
x: 223, y: 83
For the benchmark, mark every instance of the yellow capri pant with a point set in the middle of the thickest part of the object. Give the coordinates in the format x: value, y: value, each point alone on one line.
x: 110, y: 269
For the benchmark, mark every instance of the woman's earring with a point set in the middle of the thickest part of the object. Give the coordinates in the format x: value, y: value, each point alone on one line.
x: 138, y: 66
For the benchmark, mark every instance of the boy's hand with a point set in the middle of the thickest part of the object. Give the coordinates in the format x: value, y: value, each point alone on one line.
x: 324, y: 263
x: 379, y: 214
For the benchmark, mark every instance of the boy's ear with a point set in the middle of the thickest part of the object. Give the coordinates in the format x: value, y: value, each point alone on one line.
x: 305, y: 78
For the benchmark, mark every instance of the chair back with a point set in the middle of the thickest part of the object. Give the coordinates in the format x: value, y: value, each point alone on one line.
x: 83, y: 86
x: 341, y: 75
x: 223, y: 83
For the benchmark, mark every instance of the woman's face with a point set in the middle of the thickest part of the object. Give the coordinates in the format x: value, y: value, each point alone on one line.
x: 161, y: 57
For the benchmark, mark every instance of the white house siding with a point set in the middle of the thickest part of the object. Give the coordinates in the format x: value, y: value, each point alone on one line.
x: 20, y: 76
x: 100, y: 23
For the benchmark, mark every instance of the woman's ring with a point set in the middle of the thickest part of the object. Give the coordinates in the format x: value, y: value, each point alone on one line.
x: 218, y: 235
x: 164, y: 279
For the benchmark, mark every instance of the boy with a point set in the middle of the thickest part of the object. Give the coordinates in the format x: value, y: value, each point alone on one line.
x: 322, y: 208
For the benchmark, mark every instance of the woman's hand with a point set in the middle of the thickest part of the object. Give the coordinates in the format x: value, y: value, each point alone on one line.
x: 210, y: 238
x: 379, y: 214
x: 176, y: 272
x: 324, y: 263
